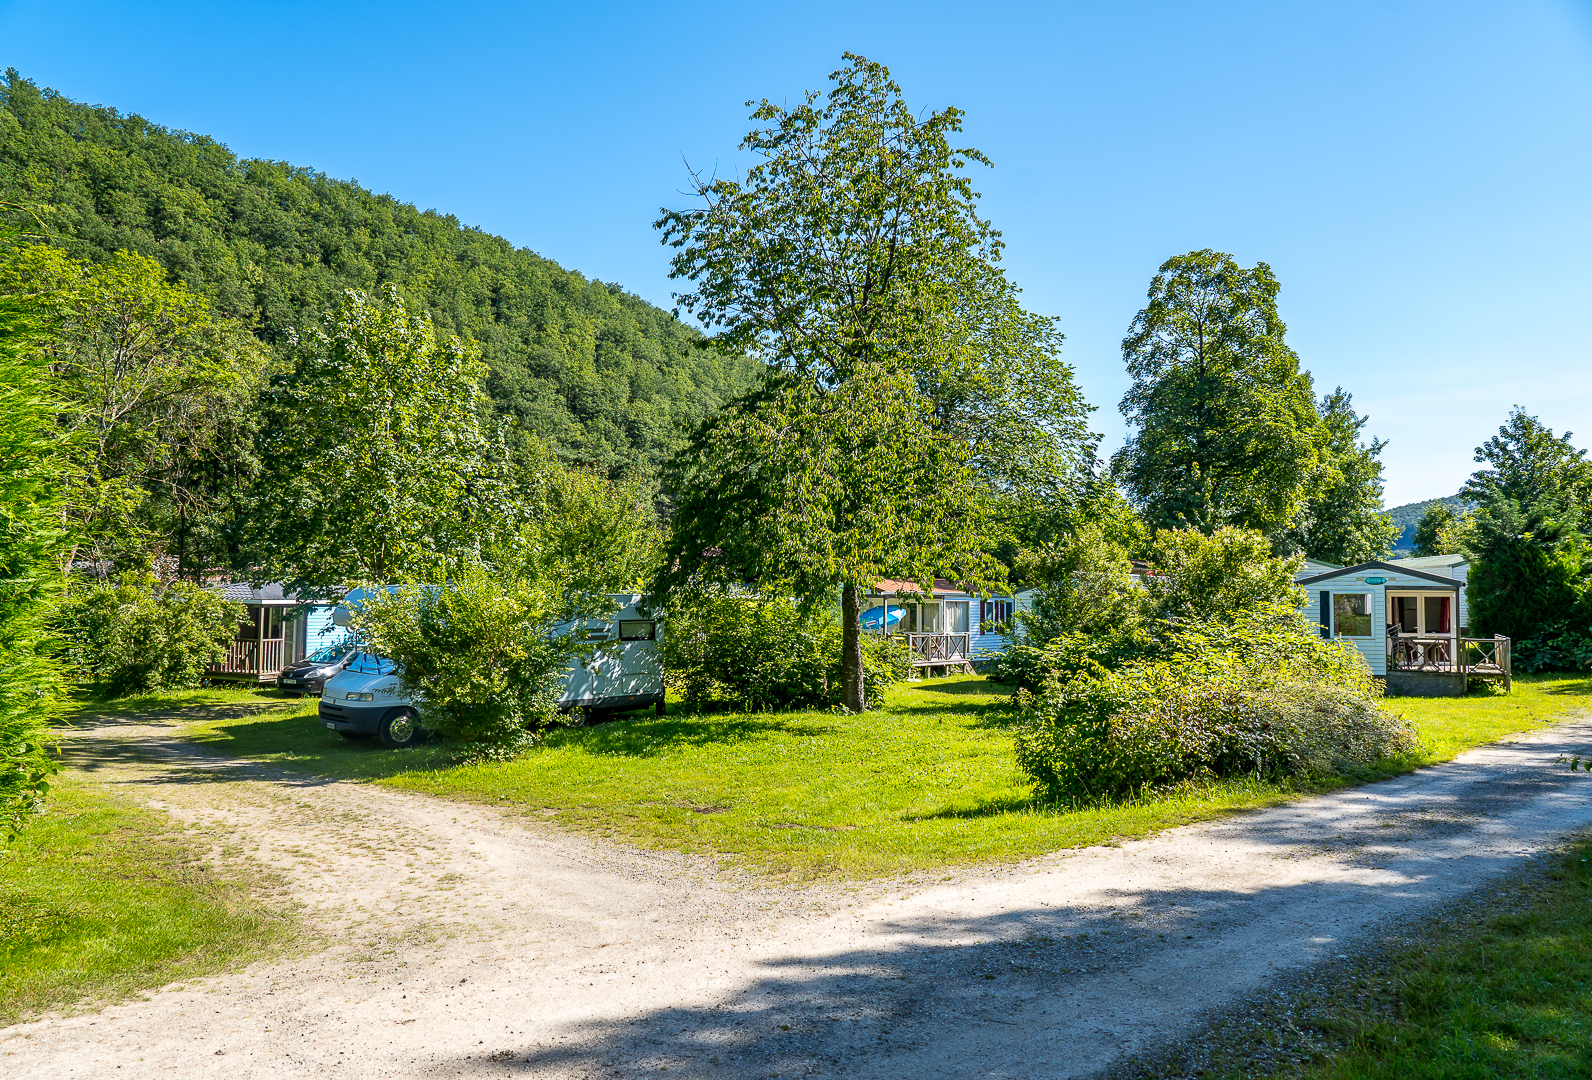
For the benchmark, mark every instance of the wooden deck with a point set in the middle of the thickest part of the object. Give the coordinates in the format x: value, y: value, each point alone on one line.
x: 260, y: 661
x: 940, y: 650
x: 1479, y: 658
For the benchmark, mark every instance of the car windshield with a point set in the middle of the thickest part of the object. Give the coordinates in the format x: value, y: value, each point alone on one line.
x: 329, y: 655
x: 371, y: 664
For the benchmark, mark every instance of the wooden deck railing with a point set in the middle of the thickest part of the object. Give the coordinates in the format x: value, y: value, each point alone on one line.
x: 1482, y: 657
x: 250, y: 658
x: 939, y: 648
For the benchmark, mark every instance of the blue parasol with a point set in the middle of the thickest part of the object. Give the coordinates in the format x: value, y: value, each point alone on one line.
x: 874, y: 618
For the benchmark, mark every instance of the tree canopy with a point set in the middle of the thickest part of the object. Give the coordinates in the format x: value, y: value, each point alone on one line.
x: 911, y: 387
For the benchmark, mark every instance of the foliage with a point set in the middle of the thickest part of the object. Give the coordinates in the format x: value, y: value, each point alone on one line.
x: 1084, y: 585
x: 1263, y: 695
x: 1341, y: 520
x: 1406, y: 517
x: 1027, y: 665
x: 486, y: 654
x: 1529, y: 539
x: 767, y: 653
x: 378, y: 461
x: 607, y: 379
x: 148, y: 382
x: 1557, y: 646
x: 852, y: 260
x: 1209, y: 577
x: 138, y: 635
x: 1443, y: 530
x: 1225, y: 430
x: 32, y: 545
x: 480, y: 655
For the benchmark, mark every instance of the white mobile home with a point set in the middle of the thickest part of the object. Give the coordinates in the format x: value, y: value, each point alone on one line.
x: 1407, y: 621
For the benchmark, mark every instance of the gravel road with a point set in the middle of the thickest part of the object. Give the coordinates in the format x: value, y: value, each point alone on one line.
x: 472, y: 942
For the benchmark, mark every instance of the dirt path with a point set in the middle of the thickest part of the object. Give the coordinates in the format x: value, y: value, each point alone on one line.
x: 473, y: 943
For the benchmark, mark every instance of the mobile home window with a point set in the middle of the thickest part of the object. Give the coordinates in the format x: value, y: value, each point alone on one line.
x: 637, y: 630
x: 1351, y: 614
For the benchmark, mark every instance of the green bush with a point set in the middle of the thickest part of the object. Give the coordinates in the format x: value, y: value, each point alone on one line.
x: 1262, y: 695
x: 1028, y: 666
x: 1558, y: 647
x: 480, y: 656
x: 767, y: 653
x: 137, y: 635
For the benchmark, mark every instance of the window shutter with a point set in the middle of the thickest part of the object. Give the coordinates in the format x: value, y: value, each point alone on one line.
x: 1326, y: 614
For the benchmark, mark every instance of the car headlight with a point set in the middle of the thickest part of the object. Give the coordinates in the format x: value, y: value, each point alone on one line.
x: 362, y: 697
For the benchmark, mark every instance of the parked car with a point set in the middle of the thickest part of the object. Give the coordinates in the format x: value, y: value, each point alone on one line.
x: 367, y: 698
x: 309, y: 675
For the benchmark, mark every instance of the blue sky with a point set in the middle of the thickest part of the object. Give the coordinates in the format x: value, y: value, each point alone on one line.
x: 1417, y: 174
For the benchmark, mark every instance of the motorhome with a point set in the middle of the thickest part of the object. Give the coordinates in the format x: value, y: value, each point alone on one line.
x: 367, y: 698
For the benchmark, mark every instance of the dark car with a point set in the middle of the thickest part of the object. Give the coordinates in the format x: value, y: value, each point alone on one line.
x: 309, y: 675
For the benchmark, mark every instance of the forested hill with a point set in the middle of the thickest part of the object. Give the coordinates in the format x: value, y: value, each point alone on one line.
x: 607, y: 377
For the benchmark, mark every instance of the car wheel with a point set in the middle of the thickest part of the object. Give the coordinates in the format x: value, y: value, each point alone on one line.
x: 399, y: 730
x: 661, y: 708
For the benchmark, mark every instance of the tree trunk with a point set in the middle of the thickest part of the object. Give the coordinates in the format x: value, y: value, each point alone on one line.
x: 854, y: 689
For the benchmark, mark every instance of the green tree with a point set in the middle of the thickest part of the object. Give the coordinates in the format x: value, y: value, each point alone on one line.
x: 1529, y: 536
x: 852, y: 261
x: 376, y: 452
x: 1224, y: 424
x: 799, y: 491
x: 32, y: 544
x: 1341, y: 519
x: 141, y: 367
x: 1442, y: 530
x: 1085, y: 586
x: 1218, y: 576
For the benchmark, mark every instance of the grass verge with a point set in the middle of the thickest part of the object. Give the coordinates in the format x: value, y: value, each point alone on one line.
x: 100, y: 899
x: 926, y: 781
x: 1497, y: 986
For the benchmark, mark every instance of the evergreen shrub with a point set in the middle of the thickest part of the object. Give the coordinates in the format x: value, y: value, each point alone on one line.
x: 1262, y: 695
x: 758, y: 653
x: 1559, y: 647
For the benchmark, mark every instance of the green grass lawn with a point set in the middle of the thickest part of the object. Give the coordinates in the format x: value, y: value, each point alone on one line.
x: 100, y: 899
x: 926, y: 781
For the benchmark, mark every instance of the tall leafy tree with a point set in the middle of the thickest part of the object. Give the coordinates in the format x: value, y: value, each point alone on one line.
x: 1340, y: 519
x: 852, y: 261
x: 375, y: 450
x: 1224, y: 424
x: 32, y: 544
x: 1529, y: 537
x: 1443, y: 530
x: 139, y: 365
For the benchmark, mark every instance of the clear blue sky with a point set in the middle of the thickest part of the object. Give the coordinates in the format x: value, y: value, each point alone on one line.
x: 1419, y: 175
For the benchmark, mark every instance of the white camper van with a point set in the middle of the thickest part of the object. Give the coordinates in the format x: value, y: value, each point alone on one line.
x: 367, y: 697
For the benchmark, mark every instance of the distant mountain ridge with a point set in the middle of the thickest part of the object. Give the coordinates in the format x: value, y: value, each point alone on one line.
x: 607, y: 378
x: 1407, y: 516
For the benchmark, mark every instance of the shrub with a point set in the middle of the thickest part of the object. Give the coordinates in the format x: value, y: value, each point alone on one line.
x: 480, y: 656
x: 1028, y: 666
x: 1263, y: 695
x: 32, y: 460
x: 766, y: 653
x: 1554, y: 648
x: 138, y: 636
